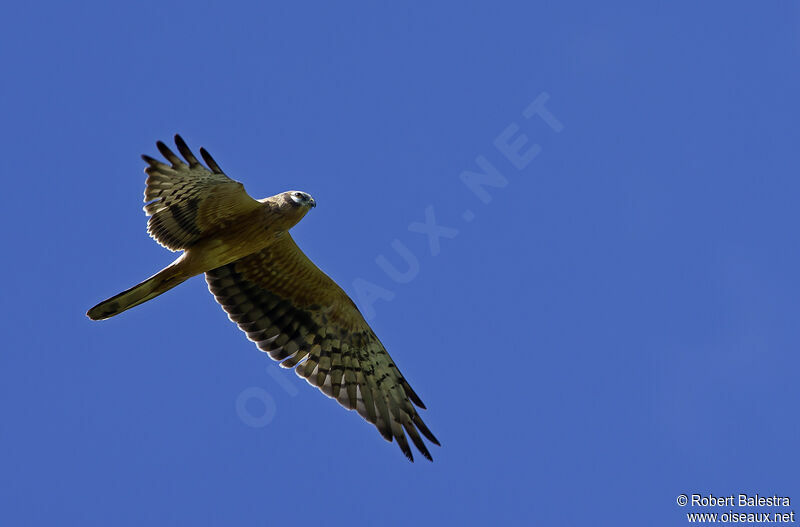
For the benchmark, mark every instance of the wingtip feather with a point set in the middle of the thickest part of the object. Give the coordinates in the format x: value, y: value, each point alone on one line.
x: 210, y: 161
x: 185, y: 151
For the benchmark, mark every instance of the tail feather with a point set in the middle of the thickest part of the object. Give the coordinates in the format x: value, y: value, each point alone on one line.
x: 160, y: 282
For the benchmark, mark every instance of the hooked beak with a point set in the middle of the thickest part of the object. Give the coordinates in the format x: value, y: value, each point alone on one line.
x: 312, y: 203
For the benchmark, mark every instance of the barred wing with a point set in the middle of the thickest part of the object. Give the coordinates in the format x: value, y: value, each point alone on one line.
x: 298, y: 315
x: 186, y: 201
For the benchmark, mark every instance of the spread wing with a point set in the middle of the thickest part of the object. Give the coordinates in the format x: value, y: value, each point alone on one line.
x: 298, y: 315
x: 186, y: 201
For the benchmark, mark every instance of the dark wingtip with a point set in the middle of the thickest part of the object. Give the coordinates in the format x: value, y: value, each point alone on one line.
x: 417, y: 440
x: 180, y: 143
x: 185, y: 151
x: 210, y: 161
x: 420, y: 424
x: 411, y: 394
x: 424, y: 452
x: 168, y: 154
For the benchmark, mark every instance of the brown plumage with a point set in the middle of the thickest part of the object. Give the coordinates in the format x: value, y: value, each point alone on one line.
x: 274, y: 293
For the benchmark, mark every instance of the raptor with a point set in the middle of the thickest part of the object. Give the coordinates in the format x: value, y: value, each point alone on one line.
x: 283, y: 302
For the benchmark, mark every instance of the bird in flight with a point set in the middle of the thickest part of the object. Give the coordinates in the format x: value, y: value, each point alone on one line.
x: 284, y: 303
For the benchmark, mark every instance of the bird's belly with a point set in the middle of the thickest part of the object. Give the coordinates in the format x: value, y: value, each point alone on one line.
x: 228, y: 246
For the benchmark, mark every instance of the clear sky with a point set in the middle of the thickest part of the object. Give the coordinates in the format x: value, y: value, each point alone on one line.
x: 606, y: 318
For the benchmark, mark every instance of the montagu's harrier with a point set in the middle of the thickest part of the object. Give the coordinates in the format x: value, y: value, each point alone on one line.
x: 265, y: 283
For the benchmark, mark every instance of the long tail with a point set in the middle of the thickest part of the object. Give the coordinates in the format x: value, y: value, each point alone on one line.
x: 160, y: 282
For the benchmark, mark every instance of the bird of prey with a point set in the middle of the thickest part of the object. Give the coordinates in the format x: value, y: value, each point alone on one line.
x: 276, y: 295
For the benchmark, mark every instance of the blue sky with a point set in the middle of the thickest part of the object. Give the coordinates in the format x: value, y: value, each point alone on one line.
x: 616, y: 326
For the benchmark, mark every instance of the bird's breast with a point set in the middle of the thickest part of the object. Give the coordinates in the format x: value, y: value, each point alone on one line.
x: 235, y: 239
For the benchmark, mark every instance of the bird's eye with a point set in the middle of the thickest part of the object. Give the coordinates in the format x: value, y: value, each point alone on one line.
x: 298, y: 195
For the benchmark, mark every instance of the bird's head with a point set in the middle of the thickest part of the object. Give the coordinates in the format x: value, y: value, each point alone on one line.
x: 292, y: 205
x: 295, y: 198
